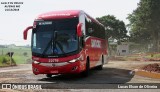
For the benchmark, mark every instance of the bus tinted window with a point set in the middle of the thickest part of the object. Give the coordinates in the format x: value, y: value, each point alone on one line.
x: 94, y: 29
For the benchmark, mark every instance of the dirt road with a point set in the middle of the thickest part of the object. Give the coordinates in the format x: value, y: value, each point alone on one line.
x: 113, y: 72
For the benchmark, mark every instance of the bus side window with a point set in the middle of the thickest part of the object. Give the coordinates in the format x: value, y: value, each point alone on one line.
x: 90, y: 30
x: 34, y: 38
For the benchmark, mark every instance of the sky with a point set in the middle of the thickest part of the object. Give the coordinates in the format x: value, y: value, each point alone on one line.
x: 14, y: 22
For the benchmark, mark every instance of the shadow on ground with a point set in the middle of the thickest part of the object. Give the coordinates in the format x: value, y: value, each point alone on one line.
x: 105, y: 76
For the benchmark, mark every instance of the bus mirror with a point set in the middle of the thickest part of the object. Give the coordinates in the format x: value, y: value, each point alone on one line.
x: 26, y: 31
x: 79, y: 29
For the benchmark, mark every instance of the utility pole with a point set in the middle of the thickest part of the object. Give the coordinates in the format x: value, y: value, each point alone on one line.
x: 10, y: 57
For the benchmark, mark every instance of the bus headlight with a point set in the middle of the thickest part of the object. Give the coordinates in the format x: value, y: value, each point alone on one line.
x: 81, y: 58
x: 36, y: 62
x: 72, y: 61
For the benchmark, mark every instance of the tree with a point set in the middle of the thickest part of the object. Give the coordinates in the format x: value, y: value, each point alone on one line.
x: 25, y: 53
x: 115, y: 28
x: 145, y: 23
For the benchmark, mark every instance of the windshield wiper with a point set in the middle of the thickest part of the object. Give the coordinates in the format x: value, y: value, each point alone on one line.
x: 48, y: 45
x: 56, y: 42
x: 60, y: 46
x: 53, y: 42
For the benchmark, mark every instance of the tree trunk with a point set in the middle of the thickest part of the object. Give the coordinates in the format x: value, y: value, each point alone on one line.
x: 155, y: 41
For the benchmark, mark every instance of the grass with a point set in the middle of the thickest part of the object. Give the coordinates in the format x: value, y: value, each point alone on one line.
x: 19, y: 57
x: 153, y: 56
x: 145, y: 56
x: 4, y: 61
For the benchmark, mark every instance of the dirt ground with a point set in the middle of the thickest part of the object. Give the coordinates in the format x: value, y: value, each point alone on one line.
x: 114, y: 72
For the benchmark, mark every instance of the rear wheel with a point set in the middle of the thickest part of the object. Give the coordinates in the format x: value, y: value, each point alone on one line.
x: 49, y: 75
x: 100, y: 67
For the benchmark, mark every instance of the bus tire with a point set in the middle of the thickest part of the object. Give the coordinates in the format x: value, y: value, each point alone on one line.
x: 100, y: 67
x: 87, y: 71
x: 49, y: 75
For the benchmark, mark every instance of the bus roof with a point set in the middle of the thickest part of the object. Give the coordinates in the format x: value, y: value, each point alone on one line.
x: 64, y: 14
x: 59, y: 14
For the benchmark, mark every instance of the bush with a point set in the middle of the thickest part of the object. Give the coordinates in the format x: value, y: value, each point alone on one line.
x: 25, y: 53
x: 5, y: 60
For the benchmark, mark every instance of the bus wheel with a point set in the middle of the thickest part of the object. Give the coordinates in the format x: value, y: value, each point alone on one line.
x: 100, y: 67
x: 49, y: 75
x: 86, y: 72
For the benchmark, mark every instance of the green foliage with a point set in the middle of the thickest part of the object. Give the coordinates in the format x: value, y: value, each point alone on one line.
x: 25, y: 53
x: 115, y: 28
x: 20, y: 59
x: 145, y: 23
x: 19, y: 56
x: 4, y: 60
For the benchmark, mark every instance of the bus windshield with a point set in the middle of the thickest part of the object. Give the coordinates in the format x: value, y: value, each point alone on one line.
x: 55, y: 37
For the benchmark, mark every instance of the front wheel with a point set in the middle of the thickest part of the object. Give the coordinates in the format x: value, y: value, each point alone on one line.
x: 48, y: 75
x: 86, y: 72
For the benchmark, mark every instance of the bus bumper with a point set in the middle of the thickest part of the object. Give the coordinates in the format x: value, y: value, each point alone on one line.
x: 55, y: 68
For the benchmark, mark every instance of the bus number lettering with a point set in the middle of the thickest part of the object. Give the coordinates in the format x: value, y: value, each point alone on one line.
x: 52, y: 60
x: 95, y: 43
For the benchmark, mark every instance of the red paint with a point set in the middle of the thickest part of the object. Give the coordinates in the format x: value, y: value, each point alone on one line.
x: 79, y: 30
x: 25, y: 32
x: 59, y: 14
x: 94, y: 48
x: 61, y: 70
x: 62, y: 59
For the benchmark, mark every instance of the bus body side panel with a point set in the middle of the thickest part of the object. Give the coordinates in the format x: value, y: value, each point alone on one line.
x: 95, y: 49
x: 95, y: 42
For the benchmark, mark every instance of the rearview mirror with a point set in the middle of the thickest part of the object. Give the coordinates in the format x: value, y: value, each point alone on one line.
x: 79, y: 29
x: 26, y: 31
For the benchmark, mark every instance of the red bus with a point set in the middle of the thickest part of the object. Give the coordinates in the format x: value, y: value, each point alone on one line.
x: 65, y: 42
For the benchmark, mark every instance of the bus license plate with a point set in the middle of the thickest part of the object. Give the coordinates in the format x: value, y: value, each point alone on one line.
x: 55, y: 71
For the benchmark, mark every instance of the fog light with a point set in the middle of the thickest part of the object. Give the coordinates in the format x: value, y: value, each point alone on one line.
x: 35, y: 69
x: 74, y: 68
